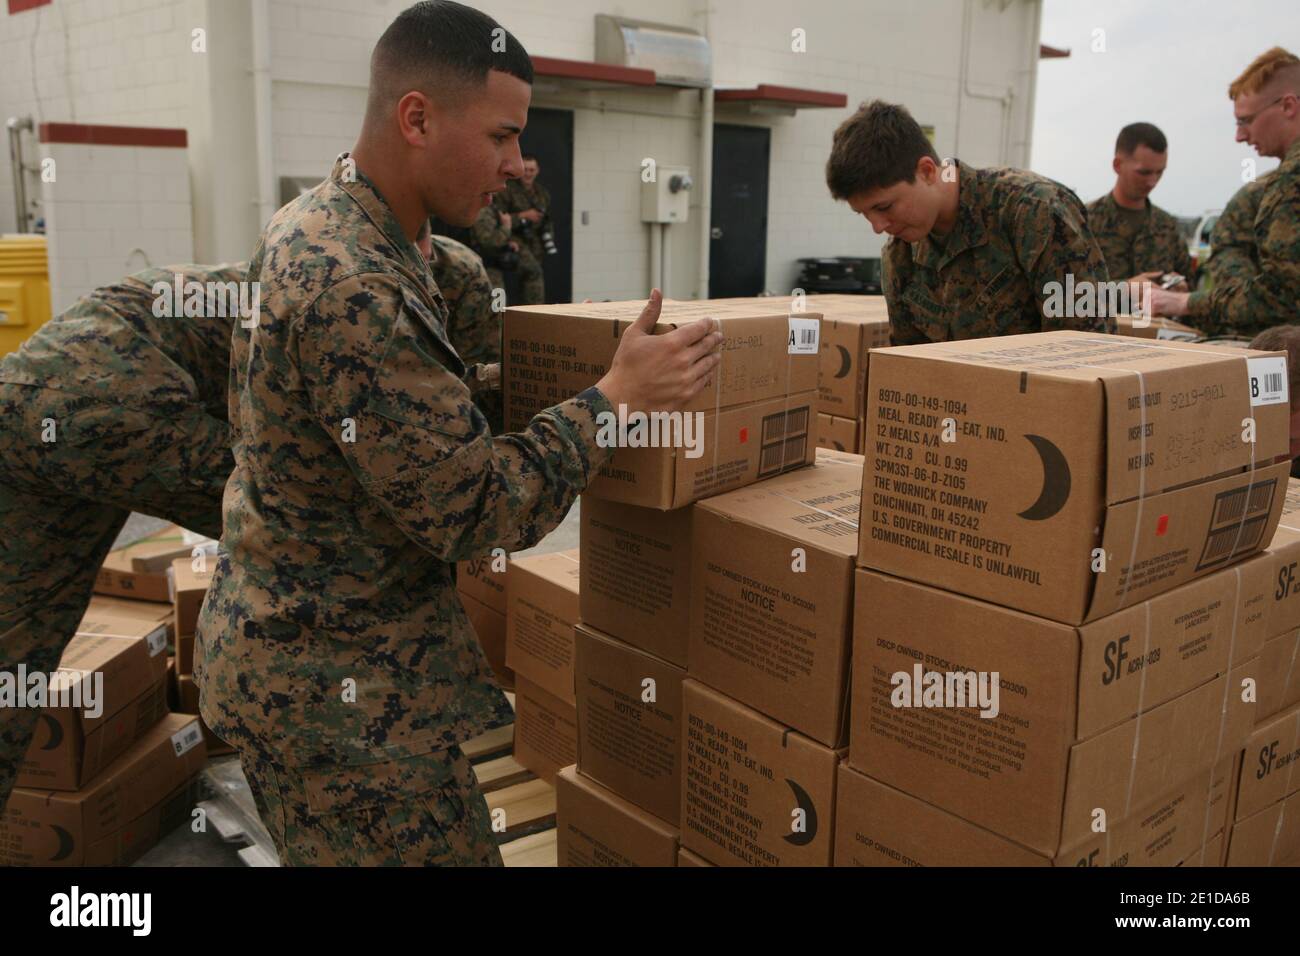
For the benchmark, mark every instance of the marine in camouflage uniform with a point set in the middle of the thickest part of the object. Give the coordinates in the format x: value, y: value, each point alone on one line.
x: 138, y: 406
x: 1133, y: 241
x: 490, y: 236
x: 1232, y: 242
x: 473, y: 328
x: 332, y: 650
x: 135, y: 406
x: 1015, y: 233
x: 1247, y: 305
x: 517, y: 198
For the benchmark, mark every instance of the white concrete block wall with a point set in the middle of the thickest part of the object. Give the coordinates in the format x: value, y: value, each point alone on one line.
x: 119, y: 62
x: 129, y: 61
x: 113, y: 210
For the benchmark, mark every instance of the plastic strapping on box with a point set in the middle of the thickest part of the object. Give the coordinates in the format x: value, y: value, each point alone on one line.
x: 1137, y: 727
x: 1223, y: 709
x: 1282, y: 803
x: 717, y: 400
x: 1277, y: 831
x: 1290, y: 668
x: 803, y: 504
x: 1142, y: 483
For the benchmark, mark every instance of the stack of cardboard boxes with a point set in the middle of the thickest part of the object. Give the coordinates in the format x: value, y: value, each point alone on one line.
x: 109, y: 769
x: 1264, y: 822
x: 621, y: 804
x: 187, y: 582
x: 1061, y: 602
x: 543, y: 610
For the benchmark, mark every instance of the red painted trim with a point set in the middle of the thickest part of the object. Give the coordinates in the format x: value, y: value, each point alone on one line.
x: 112, y: 135
x: 1046, y: 52
x: 791, y: 95
x: 582, y: 70
x: 18, y: 6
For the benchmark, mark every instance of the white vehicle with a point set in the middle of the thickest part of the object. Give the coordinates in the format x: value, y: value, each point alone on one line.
x: 1199, y: 247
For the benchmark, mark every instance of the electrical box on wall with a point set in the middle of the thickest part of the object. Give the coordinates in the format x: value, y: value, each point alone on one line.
x: 667, y: 198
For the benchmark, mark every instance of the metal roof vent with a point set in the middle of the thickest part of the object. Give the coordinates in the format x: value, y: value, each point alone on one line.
x: 679, y: 57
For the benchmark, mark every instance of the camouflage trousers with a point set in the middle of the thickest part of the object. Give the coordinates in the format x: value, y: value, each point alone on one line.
x: 418, y: 811
x: 63, y: 502
x: 532, y: 287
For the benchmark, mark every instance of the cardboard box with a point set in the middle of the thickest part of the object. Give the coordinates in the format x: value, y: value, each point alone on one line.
x: 595, y: 827
x: 852, y: 325
x: 120, y: 659
x: 187, y: 587
x: 1080, y: 724
x: 1156, y: 327
x: 490, y: 629
x: 1209, y: 855
x: 839, y: 434
x: 1148, y: 465
x: 772, y: 594
x: 546, y: 730
x: 119, y: 814
x: 484, y: 579
x: 756, y: 416
x: 187, y: 702
x: 140, y: 569
x: 879, y: 825
x: 754, y: 792
x: 1268, y: 837
x: 185, y: 654
x: 65, y: 753
x: 1279, y: 675
x: 1268, y: 769
x: 543, y: 591
x: 687, y: 858
x: 636, y: 575
x: 629, y: 722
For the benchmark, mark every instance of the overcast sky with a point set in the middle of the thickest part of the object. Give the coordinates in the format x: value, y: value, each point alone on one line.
x: 1167, y: 62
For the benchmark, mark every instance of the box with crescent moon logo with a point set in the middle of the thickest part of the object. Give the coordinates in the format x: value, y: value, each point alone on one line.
x: 754, y: 792
x: 70, y: 745
x: 1069, y: 474
x: 755, y: 417
x: 119, y: 813
x: 852, y: 325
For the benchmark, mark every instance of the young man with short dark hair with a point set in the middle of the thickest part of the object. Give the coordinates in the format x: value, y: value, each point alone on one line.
x: 332, y: 650
x: 973, y: 252
x: 1139, y: 241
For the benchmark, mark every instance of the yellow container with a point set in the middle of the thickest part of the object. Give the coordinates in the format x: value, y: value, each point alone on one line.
x: 24, y: 288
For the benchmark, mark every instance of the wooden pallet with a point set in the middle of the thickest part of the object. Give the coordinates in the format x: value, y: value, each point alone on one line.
x: 528, y: 803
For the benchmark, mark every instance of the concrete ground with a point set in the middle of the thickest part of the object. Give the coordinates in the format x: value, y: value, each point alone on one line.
x: 222, y: 779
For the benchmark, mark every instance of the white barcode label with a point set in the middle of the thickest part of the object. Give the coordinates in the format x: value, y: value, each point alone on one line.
x: 187, y: 738
x: 157, y: 641
x: 1267, y: 379
x: 803, y: 336
x: 1175, y: 335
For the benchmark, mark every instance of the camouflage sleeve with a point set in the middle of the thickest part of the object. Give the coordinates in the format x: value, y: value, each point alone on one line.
x: 1180, y: 255
x: 894, y: 271
x: 1052, y: 241
x: 1232, y: 242
x: 371, y: 352
x: 1269, y: 296
x: 487, y: 231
